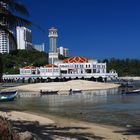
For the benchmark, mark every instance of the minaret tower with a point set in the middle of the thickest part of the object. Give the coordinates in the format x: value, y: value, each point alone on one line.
x: 53, y: 55
x: 53, y: 37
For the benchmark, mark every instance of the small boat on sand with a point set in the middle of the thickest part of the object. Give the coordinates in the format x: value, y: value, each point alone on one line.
x: 8, y: 95
x: 74, y: 91
x: 49, y: 92
x: 136, y: 91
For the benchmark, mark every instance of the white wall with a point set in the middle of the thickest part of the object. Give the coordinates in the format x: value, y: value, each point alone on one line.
x: 52, y: 71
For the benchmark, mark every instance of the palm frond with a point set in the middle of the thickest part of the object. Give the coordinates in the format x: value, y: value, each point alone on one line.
x: 13, y: 20
x: 19, y: 21
x: 21, y: 9
x: 15, y: 6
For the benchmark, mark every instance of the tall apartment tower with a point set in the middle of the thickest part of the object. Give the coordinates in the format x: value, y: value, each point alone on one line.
x: 6, y: 45
x: 4, y: 42
x: 24, y: 38
x: 53, y: 55
x: 63, y: 51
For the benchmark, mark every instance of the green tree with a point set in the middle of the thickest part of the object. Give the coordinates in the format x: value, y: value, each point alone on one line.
x: 62, y: 57
x: 20, y: 58
x: 124, y: 67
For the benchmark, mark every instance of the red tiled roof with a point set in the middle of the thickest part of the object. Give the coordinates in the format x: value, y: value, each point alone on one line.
x: 50, y: 65
x: 29, y: 67
x: 76, y: 59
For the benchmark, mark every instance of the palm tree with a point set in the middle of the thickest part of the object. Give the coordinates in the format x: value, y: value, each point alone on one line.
x: 9, y: 19
x: 1, y: 68
x: 8, y: 16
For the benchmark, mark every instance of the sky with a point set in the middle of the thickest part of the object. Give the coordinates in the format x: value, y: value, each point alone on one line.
x: 90, y: 28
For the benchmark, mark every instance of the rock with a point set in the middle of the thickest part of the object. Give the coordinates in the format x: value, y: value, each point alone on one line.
x: 128, y: 125
x: 36, y: 123
x: 6, y: 132
x: 26, y: 136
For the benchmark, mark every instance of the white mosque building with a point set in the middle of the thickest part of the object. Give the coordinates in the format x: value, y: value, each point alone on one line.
x: 71, y: 68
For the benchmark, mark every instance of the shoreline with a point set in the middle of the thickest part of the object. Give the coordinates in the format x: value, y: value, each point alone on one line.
x: 65, y: 86
x: 67, y: 128
x: 130, y: 78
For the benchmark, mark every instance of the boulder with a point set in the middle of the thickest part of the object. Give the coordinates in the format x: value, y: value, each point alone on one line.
x: 26, y: 136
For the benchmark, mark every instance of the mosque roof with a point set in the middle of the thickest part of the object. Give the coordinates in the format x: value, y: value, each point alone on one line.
x: 50, y: 65
x: 76, y: 59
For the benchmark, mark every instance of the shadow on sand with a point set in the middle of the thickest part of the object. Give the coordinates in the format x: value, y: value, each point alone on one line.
x: 132, y: 130
x: 6, y: 109
x: 51, y: 132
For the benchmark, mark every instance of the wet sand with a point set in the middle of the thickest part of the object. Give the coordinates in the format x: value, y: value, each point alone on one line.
x: 57, y: 128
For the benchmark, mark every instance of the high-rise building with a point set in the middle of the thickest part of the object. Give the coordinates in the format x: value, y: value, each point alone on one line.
x: 53, y: 55
x: 39, y: 47
x: 63, y: 51
x: 24, y: 38
x: 5, y: 42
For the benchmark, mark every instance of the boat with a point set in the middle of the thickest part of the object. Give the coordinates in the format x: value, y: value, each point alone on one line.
x: 74, y: 91
x: 7, y: 92
x: 8, y: 95
x: 126, y: 83
x: 49, y: 92
x: 136, y: 91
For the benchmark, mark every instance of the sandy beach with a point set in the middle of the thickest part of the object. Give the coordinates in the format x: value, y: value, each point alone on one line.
x: 56, y: 128
x: 65, y: 86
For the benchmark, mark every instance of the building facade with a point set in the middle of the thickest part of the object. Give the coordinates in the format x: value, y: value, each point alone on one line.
x: 80, y: 65
x: 62, y: 51
x: 24, y: 38
x: 71, y: 68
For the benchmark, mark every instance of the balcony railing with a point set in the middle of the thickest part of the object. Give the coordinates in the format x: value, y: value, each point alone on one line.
x: 85, y: 75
